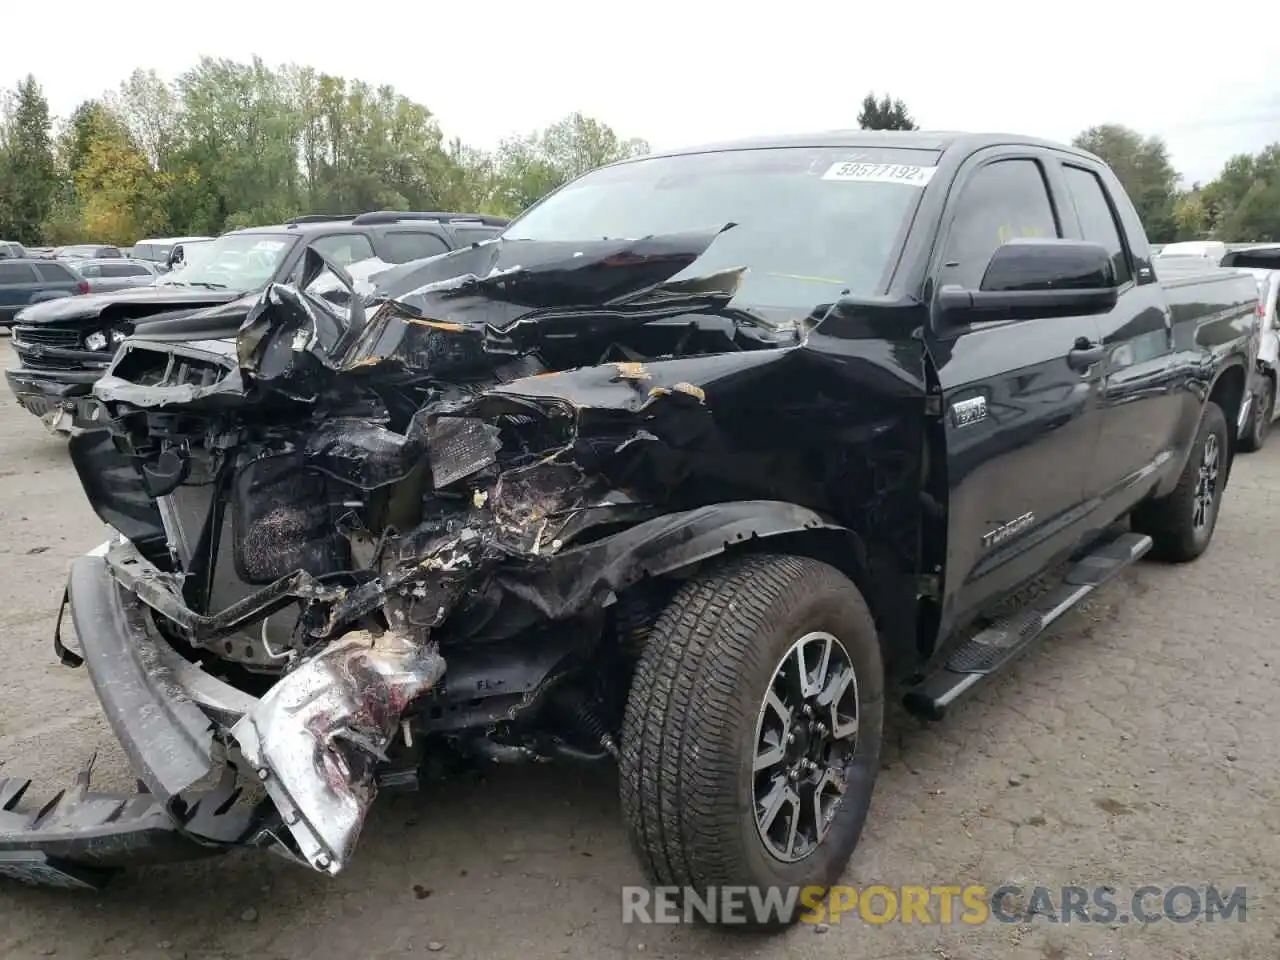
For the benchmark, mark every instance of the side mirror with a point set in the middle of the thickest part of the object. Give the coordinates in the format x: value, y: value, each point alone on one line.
x: 1032, y: 278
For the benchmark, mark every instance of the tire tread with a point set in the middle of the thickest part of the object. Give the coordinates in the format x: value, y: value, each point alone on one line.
x: 681, y: 709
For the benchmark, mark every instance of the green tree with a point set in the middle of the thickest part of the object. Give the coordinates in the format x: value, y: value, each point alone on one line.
x: 240, y: 134
x: 28, y: 177
x: 1244, y: 199
x: 531, y: 166
x: 1191, y: 215
x: 85, y: 125
x: 232, y: 144
x: 1142, y: 164
x: 151, y: 109
x: 119, y: 191
x: 884, y: 114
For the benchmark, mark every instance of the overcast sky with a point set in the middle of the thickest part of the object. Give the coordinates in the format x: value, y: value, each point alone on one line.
x: 695, y: 70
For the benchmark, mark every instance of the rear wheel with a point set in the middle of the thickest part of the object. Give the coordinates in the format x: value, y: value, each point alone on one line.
x: 1255, y: 435
x: 1182, y: 524
x: 751, y: 740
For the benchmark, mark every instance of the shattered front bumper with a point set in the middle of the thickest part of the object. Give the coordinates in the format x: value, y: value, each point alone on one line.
x: 161, y: 708
x: 309, y: 745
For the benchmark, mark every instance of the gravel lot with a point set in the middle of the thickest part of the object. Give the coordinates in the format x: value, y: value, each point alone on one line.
x: 1137, y: 746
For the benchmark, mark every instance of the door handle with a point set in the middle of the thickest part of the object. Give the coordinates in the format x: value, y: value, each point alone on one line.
x: 1085, y: 354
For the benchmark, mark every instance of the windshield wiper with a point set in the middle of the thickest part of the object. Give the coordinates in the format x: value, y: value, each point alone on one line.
x: 206, y: 284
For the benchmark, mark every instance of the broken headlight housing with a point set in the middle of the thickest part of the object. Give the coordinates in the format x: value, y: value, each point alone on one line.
x: 99, y: 339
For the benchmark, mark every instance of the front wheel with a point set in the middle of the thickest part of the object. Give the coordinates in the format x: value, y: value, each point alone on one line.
x: 1182, y: 524
x: 751, y: 739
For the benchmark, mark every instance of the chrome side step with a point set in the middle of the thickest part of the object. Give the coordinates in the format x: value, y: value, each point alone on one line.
x: 1002, y: 642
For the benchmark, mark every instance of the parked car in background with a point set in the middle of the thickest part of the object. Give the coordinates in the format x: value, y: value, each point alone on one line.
x: 116, y: 274
x: 210, y: 295
x: 87, y: 251
x: 158, y: 250
x: 1263, y: 262
x: 1210, y: 250
x: 40, y: 252
x: 28, y: 281
x: 12, y: 250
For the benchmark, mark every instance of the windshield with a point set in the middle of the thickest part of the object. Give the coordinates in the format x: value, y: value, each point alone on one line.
x: 811, y: 223
x: 236, y: 261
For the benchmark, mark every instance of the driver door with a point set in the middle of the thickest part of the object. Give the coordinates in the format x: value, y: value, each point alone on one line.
x: 1022, y: 424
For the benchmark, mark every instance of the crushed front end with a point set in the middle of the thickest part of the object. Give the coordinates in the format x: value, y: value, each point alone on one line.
x: 374, y: 529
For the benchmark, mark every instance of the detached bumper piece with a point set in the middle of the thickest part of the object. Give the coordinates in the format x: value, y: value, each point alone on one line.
x: 158, y: 706
x: 78, y: 839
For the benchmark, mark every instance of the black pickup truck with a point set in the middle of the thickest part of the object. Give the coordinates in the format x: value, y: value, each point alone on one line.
x: 63, y: 347
x: 703, y: 457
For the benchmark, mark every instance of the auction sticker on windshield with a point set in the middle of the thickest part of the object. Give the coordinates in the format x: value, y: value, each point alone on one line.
x: 855, y: 172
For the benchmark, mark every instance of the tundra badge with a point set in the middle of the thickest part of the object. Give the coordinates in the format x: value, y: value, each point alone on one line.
x: 1006, y: 530
x: 965, y: 412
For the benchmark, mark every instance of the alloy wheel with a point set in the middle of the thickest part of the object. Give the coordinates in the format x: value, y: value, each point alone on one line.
x: 1205, y: 500
x: 806, y: 733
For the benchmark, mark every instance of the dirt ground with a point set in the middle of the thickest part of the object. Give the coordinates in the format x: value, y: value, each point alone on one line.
x: 1136, y: 746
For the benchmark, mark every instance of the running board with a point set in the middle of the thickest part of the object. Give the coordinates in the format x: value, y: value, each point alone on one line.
x: 995, y: 647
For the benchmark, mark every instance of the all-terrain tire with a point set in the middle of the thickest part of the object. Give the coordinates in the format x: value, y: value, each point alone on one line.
x: 689, y: 733
x: 1259, y: 426
x: 1171, y: 520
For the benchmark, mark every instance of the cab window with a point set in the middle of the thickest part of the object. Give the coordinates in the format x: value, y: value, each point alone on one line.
x: 1001, y: 201
x: 1097, y: 222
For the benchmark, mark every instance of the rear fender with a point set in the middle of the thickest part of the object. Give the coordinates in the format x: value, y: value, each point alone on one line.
x: 1227, y: 389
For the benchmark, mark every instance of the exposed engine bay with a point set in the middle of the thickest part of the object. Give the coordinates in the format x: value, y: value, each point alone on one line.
x: 443, y: 511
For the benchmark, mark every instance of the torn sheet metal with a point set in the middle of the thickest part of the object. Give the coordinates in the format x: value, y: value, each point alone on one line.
x: 316, y: 736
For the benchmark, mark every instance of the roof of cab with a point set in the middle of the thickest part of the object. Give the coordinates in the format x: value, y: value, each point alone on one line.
x: 937, y: 141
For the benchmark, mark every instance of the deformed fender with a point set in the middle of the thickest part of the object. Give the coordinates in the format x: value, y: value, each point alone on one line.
x: 1192, y: 426
x: 591, y: 575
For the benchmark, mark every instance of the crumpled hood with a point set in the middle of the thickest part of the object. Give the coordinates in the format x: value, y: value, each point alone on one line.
x: 456, y: 313
x: 93, y: 305
x: 499, y: 282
